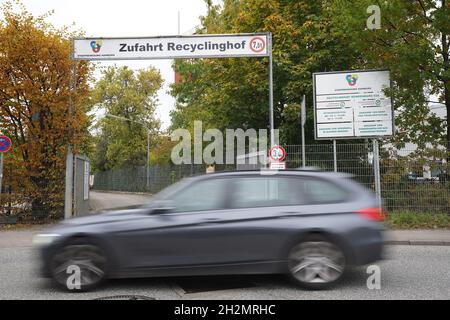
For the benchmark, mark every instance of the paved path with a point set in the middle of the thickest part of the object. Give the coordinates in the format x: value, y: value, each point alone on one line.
x: 110, y: 200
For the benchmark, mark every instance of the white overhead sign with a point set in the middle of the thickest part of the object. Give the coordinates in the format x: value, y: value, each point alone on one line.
x: 352, y: 104
x: 196, y: 46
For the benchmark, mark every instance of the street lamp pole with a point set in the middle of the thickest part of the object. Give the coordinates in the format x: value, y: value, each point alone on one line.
x: 147, y: 165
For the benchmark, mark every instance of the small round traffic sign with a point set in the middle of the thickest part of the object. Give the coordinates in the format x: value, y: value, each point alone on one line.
x: 277, y: 153
x: 5, y: 144
x: 257, y: 44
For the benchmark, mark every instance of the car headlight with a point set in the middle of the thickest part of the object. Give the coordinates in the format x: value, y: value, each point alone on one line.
x: 44, y: 238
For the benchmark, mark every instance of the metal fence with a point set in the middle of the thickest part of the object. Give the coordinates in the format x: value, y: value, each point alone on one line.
x: 136, y: 179
x: 411, y: 179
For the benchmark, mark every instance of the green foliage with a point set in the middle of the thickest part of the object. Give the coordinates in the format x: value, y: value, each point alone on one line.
x: 233, y: 93
x: 413, y: 43
x: 311, y: 36
x: 128, y: 94
x: 405, y: 219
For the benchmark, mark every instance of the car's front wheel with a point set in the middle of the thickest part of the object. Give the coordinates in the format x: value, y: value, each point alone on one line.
x: 316, y: 263
x: 79, y: 266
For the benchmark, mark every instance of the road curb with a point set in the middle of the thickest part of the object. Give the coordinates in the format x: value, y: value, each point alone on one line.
x: 418, y: 242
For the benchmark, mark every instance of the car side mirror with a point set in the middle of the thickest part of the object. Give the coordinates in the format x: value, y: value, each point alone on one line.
x: 163, y: 206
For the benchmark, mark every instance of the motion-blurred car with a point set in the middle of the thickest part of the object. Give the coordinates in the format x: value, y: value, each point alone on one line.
x: 309, y: 225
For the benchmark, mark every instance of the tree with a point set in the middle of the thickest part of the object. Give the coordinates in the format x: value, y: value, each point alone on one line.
x: 413, y: 42
x: 233, y: 93
x: 35, y: 72
x: 131, y: 95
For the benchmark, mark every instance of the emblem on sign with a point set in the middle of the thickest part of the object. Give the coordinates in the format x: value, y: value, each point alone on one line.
x: 96, y: 45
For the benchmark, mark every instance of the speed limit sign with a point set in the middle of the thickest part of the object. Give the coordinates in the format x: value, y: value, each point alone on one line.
x: 277, y: 153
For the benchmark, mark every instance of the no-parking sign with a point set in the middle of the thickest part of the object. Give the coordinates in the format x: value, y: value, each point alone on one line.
x: 5, y: 144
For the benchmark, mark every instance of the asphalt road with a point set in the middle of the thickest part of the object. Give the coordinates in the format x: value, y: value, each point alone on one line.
x: 409, y: 272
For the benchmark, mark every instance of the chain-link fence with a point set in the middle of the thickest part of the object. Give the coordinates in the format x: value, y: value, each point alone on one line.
x: 411, y: 179
x: 147, y: 179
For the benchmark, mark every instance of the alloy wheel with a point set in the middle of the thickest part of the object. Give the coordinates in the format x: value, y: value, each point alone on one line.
x: 88, y: 259
x: 316, y: 263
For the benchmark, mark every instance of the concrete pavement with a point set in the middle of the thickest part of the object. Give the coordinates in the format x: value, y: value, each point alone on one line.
x: 418, y: 237
x: 105, y: 200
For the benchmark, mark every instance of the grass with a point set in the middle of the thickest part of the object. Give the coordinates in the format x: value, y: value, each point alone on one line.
x: 405, y: 219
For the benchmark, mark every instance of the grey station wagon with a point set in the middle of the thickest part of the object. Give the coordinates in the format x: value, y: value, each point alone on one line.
x: 309, y: 225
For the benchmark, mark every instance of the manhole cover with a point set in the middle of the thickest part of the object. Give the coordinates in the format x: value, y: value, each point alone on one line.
x: 196, y: 285
x: 125, y: 297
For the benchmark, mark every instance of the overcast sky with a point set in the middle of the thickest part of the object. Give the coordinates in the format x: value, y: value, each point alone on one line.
x: 130, y: 18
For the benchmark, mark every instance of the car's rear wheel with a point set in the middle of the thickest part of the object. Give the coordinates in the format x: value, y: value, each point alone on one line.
x: 316, y: 263
x: 79, y: 266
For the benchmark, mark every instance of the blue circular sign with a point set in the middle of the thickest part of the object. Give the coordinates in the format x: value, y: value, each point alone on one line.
x: 5, y: 144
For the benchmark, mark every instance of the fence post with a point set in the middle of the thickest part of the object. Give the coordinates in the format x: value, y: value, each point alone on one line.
x: 68, y: 205
x: 303, y: 121
x: 376, y: 169
x: 334, y: 155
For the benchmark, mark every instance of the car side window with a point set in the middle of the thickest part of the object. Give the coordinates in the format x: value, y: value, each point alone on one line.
x: 200, y: 196
x: 266, y: 192
x: 320, y: 191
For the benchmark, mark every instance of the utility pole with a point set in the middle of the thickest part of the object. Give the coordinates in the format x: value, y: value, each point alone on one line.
x: 303, y: 121
x: 271, y: 118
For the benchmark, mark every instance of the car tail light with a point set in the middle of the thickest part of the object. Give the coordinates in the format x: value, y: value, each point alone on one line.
x: 375, y: 214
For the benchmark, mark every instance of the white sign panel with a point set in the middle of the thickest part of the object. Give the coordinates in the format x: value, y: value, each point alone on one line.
x: 352, y: 104
x: 196, y: 46
x: 278, y: 165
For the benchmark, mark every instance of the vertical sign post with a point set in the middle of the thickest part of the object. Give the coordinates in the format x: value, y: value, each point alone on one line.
x: 376, y: 169
x: 334, y: 156
x: 303, y: 121
x: 1, y: 172
x: 272, y: 123
x: 148, y: 159
x: 5, y: 145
